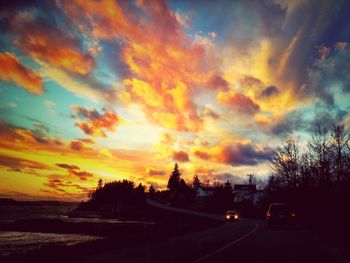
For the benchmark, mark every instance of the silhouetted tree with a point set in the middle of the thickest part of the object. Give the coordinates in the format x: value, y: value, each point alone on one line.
x: 100, y: 184
x: 317, y: 178
x: 285, y: 163
x: 151, y: 191
x: 118, y: 195
x: 174, y: 179
x: 196, y: 182
x: 139, y: 193
x: 339, y: 143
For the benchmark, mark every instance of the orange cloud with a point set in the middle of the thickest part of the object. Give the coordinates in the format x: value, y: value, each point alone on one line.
x: 202, y: 154
x: 180, y: 156
x: 240, y: 103
x: 12, y: 70
x: 22, y: 140
x: 97, y: 124
x: 17, y: 164
x: 76, y: 145
x: 75, y: 170
x: 41, y: 42
x: 235, y: 153
x: 165, y: 64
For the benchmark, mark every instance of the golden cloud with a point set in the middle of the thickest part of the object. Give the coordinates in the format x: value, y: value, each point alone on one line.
x: 166, y: 65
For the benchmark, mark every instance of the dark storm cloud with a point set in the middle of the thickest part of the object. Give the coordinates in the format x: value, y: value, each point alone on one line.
x: 293, y: 121
x: 269, y: 91
x: 245, y: 154
x: 326, y: 120
x: 236, y: 153
x: 330, y: 72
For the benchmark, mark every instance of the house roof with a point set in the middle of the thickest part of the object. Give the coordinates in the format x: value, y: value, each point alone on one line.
x: 245, y: 187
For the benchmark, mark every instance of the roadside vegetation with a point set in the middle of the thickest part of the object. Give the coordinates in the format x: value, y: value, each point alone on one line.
x: 316, y: 181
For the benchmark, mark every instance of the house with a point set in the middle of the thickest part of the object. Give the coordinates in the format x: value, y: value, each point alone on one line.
x: 244, y: 192
x: 204, y: 192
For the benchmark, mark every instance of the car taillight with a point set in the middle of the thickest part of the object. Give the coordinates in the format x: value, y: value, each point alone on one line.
x: 268, y: 214
x: 293, y: 214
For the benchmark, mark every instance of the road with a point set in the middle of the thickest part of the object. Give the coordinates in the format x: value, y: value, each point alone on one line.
x: 243, y: 241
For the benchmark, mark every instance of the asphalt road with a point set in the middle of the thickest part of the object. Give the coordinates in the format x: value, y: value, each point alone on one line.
x: 243, y: 241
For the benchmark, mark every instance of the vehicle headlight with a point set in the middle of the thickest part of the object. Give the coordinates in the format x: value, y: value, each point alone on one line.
x: 227, y: 216
x: 236, y: 216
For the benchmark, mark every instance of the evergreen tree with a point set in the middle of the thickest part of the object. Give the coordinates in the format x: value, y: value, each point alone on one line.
x: 151, y: 190
x: 228, y: 187
x: 196, y: 182
x: 100, y: 184
x: 174, y: 179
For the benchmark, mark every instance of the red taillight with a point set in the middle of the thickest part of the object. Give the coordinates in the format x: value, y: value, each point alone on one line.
x: 268, y: 214
x: 293, y: 214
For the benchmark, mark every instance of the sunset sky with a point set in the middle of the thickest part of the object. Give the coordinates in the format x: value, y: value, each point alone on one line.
x: 124, y: 89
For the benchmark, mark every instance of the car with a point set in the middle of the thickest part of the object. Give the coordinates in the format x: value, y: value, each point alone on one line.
x: 280, y: 214
x: 232, y: 216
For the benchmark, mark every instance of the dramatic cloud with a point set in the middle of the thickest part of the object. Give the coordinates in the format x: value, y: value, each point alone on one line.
x: 164, y: 69
x: 330, y: 72
x: 17, y: 164
x: 97, y: 124
x: 326, y: 120
x: 287, y: 124
x: 39, y: 40
x: 76, y: 145
x: 155, y: 172
x: 236, y: 153
x: 159, y: 82
x: 202, y: 154
x: 180, y: 156
x: 12, y: 70
x: 75, y: 171
x: 218, y: 82
x: 269, y: 91
x: 19, y: 139
x: 239, y: 102
x: 64, y: 186
x: 208, y: 112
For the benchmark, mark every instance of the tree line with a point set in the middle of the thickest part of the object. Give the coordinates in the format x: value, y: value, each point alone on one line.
x: 316, y: 180
x: 118, y: 196
x: 184, y: 194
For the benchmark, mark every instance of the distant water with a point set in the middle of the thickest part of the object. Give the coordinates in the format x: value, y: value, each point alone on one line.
x: 11, y: 213
x: 12, y: 242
